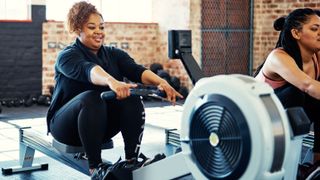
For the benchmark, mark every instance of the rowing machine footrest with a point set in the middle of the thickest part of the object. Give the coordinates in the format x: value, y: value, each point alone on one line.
x: 77, y: 149
x: 10, y: 171
x: 6, y: 171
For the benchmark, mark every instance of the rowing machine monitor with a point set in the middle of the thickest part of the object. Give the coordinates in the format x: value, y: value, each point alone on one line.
x: 180, y: 47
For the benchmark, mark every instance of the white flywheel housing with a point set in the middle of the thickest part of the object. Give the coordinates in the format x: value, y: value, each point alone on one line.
x: 234, y: 127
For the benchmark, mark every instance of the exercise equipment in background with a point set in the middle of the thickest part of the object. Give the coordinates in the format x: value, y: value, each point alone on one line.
x: 27, y: 101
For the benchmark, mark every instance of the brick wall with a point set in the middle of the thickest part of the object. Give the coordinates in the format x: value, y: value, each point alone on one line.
x: 195, y: 26
x: 265, y: 12
x: 20, y: 55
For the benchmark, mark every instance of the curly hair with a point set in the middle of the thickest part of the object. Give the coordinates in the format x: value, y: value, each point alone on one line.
x: 79, y: 14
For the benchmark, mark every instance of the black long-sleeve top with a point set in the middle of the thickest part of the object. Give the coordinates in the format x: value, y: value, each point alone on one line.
x: 72, y: 72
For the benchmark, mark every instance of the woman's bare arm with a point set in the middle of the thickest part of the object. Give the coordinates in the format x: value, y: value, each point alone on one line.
x: 280, y: 63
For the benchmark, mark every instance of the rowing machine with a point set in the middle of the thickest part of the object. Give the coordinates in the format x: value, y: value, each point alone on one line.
x: 234, y: 127
x: 31, y: 140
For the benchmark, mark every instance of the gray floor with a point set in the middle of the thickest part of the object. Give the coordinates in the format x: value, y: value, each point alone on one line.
x: 159, y: 116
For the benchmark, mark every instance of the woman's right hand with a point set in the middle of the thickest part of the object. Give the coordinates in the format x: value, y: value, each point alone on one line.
x: 121, y: 89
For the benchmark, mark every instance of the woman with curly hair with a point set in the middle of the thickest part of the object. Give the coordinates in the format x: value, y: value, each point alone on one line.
x: 77, y: 114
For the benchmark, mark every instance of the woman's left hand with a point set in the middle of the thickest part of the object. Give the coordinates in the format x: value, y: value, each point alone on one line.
x: 171, y: 93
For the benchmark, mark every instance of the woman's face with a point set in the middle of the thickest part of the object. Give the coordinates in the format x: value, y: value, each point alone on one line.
x: 309, y: 36
x: 92, y: 33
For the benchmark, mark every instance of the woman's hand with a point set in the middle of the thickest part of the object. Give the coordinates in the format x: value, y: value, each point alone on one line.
x: 121, y: 89
x: 148, y: 77
x: 170, y: 91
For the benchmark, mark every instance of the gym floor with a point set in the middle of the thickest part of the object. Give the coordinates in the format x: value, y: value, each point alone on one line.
x: 159, y: 116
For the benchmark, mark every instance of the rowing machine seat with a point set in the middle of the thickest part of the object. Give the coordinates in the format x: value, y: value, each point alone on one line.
x: 77, y: 149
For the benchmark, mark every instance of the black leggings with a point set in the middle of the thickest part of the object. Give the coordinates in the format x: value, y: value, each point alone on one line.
x: 89, y: 121
x: 290, y: 96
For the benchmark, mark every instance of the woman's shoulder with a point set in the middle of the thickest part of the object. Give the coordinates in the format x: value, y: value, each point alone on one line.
x: 69, y: 52
x: 278, y: 60
x: 279, y: 55
x: 279, y: 51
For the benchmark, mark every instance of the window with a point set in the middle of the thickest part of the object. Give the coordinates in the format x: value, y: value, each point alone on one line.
x: 15, y: 10
x: 111, y: 10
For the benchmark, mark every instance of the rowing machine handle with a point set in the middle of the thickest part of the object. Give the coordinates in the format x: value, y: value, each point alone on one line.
x: 109, y: 95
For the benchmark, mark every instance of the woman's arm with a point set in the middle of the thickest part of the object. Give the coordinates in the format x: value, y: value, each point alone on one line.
x: 100, y: 77
x: 283, y: 65
x: 148, y: 77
